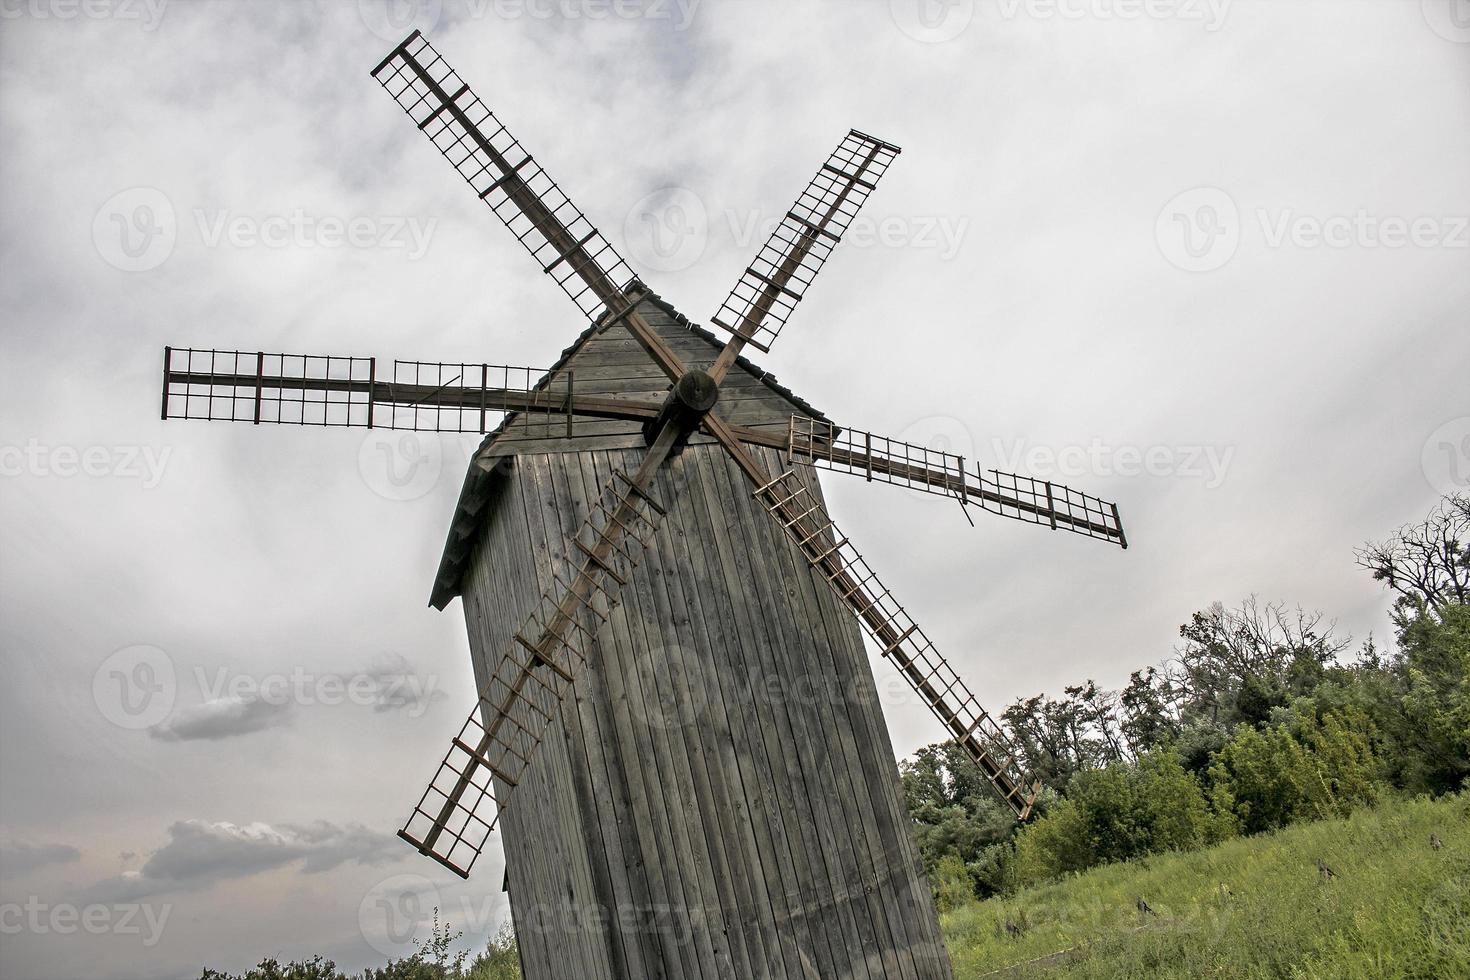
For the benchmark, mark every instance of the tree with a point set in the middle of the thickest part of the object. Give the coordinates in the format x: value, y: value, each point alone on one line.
x: 956, y: 815
x: 501, y: 959
x: 1301, y: 768
x: 1149, y: 709
x: 1427, y: 564
x: 1237, y: 665
x: 1433, y: 672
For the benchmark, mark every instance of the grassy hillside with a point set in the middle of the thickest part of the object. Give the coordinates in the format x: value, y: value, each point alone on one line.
x: 1256, y: 907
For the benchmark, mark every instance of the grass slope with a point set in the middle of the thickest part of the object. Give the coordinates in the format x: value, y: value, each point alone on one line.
x: 1397, y: 908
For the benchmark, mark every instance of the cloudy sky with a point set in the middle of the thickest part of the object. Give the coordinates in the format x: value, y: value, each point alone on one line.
x: 1205, y: 258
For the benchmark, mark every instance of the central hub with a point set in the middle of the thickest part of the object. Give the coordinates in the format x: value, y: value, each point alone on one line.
x: 691, y: 398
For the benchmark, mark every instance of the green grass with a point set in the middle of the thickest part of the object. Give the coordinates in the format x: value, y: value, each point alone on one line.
x: 1398, y: 908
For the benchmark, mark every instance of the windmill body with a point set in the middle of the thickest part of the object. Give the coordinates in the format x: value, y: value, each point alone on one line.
x: 676, y: 724
x: 719, y: 797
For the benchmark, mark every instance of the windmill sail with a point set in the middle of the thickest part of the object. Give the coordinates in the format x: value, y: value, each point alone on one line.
x: 327, y: 390
x: 769, y: 289
x: 506, y: 177
x: 1022, y: 498
x: 800, y: 513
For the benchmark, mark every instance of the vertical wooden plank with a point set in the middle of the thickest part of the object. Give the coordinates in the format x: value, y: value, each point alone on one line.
x: 770, y: 871
x: 909, y: 905
x: 683, y: 922
x: 645, y: 795
x: 793, y: 802
x: 706, y: 728
x: 842, y: 659
x: 828, y: 794
x: 674, y: 655
x: 601, y: 941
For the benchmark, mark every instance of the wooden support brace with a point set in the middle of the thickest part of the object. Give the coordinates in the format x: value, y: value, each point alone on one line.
x: 850, y: 178
x: 513, y: 172
x: 442, y: 106
x: 481, y: 760
x: 625, y: 478
x: 888, y: 650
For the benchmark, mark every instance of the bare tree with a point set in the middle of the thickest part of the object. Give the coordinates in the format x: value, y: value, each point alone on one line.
x: 1229, y: 657
x: 1427, y: 563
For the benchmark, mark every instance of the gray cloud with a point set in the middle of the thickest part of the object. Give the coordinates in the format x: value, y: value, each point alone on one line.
x: 397, y: 687
x: 19, y: 857
x: 200, y: 853
x: 221, y: 718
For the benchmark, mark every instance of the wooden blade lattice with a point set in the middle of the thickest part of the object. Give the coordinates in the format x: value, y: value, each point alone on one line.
x: 490, y: 755
x: 1022, y: 498
x: 766, y: 293
x: 506, y: 177
x: 800, y: 513
x: 423, y: 396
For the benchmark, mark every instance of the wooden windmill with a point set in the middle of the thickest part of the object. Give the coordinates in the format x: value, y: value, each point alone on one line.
x: 677, y: 720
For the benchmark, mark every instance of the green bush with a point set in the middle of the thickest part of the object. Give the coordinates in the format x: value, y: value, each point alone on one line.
x: 1116, y: 813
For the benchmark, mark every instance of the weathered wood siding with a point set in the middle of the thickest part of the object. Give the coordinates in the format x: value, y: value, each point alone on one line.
x: 721, y: 799
x: 613, y: 363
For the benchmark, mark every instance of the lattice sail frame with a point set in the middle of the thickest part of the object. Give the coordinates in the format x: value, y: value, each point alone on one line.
x: 506, y: 177
x: 769, y: 289
x: 801, y: 515
x: 818, y: 442
x: 333, y: 391
x: 487, y: 760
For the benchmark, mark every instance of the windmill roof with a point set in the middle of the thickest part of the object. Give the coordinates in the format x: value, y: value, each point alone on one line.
x: 489, y: 466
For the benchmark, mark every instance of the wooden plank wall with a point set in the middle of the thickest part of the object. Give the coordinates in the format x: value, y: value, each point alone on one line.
x: 723, y: 800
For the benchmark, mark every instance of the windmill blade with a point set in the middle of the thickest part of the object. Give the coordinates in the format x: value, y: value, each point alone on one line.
x: 769, y: 289
x: 1022, y: 498
x: 327, y: 390
x: 800, y: 513
x: 506, y: 177
x: 494, y: 748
